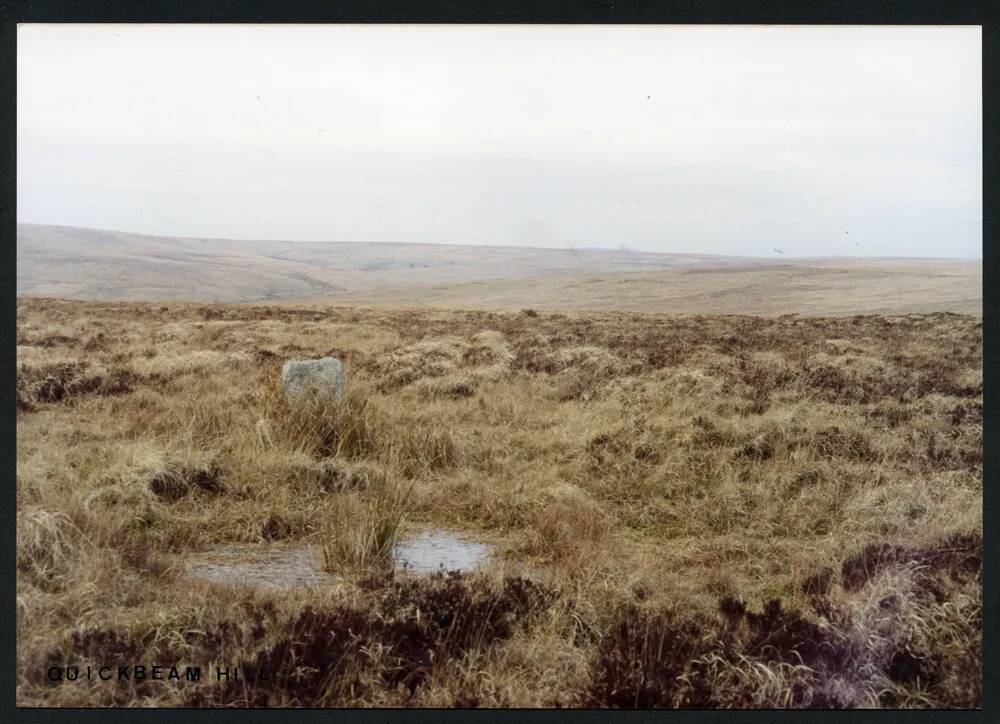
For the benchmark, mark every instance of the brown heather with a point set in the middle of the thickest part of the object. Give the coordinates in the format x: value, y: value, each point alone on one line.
x: 695, y: 511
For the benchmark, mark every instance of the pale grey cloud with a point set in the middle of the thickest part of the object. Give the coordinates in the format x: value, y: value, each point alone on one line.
x: 733, y: 140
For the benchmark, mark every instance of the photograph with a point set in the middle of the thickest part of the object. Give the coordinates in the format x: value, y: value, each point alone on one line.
x: 518, y: 366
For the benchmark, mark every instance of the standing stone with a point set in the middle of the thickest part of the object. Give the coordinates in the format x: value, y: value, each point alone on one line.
x: 323, y: 378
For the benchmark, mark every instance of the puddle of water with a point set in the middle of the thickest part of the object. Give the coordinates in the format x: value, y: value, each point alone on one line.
x: 283, y: 567
x: 435, y: 550
x: 275, y: 567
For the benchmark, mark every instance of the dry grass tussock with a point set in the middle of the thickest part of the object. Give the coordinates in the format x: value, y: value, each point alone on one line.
x: 692, y: 511
x: 363, y: 535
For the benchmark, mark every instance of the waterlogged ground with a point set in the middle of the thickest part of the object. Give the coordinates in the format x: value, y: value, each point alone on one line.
x: 723, y: 511
x: 279, y: 566
x: 275, y: 567
x: 440, y: 550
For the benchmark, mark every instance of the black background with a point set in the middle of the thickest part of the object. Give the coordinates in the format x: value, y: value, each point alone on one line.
x: 855, y: 12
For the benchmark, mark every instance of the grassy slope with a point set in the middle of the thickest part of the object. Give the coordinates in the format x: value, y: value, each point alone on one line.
x: 648, y: 469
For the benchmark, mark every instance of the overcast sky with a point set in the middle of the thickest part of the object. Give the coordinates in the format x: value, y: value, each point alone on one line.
x: 719, y: 139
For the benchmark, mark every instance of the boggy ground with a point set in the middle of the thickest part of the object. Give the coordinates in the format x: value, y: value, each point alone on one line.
x: 699, y: 511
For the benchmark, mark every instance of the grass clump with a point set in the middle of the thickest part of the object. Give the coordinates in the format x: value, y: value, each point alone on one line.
x: 48, y: 545
x: 362, y: 533
x: 322, y: 427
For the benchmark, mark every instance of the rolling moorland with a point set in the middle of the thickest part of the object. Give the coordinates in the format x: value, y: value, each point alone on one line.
x: 688, y: 510
x: 76, y: 263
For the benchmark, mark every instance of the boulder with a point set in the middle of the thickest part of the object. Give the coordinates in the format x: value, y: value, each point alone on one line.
x: 323, y: 378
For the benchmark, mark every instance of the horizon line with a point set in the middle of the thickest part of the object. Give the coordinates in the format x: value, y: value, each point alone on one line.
x: 572, y: 248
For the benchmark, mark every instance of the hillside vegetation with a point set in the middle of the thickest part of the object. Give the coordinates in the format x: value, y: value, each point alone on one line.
x: 690, y: 511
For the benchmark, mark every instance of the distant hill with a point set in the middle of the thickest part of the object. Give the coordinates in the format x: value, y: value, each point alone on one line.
x: 819, y: 287
x: 79, y: 263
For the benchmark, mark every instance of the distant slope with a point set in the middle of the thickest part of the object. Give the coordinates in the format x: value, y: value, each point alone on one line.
x: 90, y: 264
x: 817, y: 287
x: 77, y: 263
